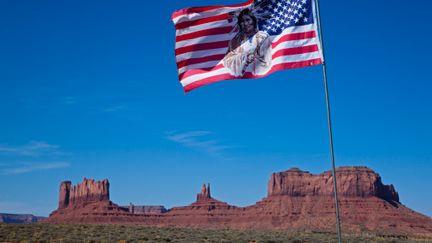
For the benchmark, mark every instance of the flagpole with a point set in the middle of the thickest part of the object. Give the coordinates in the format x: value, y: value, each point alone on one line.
x: 329, y: 127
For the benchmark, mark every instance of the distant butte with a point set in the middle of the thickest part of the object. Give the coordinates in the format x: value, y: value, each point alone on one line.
x: 296, y: 200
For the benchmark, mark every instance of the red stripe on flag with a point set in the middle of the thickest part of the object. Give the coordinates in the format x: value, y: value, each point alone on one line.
x: 208, y: 80
x: 289, y: 65
x: 187, y: 11
x: 200, y: 60
x: 275, y: 68
x: 200, y: 47
x: 295, y: 36
x: 187, y: 24
x: 295, y: 51
x: 214, y: 31
x: 199, y: 71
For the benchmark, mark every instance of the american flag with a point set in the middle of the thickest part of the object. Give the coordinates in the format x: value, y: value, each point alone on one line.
x: 207, y: 37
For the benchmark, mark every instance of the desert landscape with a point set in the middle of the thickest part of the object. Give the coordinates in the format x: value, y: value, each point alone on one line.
x: 105, y: 233
x: 298, y: 204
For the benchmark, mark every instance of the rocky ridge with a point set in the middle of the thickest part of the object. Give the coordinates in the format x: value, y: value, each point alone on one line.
x: 87, y: 192
x: 296, y: 200
x: 9, y: 218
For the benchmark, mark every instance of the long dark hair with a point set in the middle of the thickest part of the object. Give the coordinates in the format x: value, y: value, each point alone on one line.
x: 249, y: 13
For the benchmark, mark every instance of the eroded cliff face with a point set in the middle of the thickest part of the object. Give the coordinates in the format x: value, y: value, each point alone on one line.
x: 204, y: 194
x: 64, y: 194
x: 86, y: 192
x: 359, y: 182
x: 297, y: 200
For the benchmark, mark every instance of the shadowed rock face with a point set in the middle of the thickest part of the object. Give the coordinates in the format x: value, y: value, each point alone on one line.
x: 297, y: 200
x: 146, y: 209
x: 89, y: 191
x: 65, y: 188
x: 352, y: 182
x: 205, y: 193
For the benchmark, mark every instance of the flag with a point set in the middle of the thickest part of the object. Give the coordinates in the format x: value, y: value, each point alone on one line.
x: 242, y: 41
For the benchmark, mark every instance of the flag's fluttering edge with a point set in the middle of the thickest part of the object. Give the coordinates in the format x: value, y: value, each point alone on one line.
x: 248, y: 40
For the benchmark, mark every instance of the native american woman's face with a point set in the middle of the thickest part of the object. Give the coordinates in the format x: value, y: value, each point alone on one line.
x: 247, y: 24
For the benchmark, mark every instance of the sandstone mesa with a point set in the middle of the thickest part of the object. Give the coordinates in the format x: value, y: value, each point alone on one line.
x: 296, y: 200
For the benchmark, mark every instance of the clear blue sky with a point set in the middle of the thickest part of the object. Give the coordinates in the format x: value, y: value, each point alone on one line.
x: 90, y: 89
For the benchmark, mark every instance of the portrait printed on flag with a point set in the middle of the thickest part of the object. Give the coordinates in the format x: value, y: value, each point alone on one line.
x: 246, y: 40
x: 250, y: 49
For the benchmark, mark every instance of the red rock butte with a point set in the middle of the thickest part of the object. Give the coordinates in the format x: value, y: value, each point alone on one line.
x: 297, y: 200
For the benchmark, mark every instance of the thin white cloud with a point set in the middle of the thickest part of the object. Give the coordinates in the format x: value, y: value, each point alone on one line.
x: 34, y: 148
x: 70, y: 100
x: 187, y: 136
x: 27, y: 167
x: 199, y: 140
x: 114, y: 108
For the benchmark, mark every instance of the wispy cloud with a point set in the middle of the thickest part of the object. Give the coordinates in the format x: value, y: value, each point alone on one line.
x: 27, y: 167
x: 70, y: 100
x: 114, y: 108
x: 34, y: 148
x: 199, y: 140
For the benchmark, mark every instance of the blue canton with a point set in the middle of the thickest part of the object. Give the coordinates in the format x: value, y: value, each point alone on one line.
x: 282, y: 14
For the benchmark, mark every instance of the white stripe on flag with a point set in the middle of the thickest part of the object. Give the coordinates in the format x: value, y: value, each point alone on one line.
x: 295, y: 43
x: 195, y: 28
x: 205, y: 39
x: 198, y: 66
x: 197, y: 54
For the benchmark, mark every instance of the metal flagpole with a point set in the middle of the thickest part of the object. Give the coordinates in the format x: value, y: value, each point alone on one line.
x: 329, y: 127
